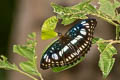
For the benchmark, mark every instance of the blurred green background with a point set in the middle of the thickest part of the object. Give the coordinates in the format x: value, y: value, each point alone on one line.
x: 7, y: 8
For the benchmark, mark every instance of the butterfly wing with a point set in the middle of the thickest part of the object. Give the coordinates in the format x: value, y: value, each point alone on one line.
x: 81, y: 38
x: 52, y: 57
x: 68, y: 49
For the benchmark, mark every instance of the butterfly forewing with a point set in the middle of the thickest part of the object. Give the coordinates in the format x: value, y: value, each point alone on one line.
x: 69, y: 48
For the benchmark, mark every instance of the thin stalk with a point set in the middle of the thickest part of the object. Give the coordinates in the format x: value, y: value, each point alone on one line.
x: 98, y: 14
x: 35, y: 64
x: 27, y: 74
x: 109, y: 41
x: 117, y: 32
x: 40, y: 76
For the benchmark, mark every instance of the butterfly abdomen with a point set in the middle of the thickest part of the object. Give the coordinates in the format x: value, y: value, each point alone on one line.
x: 69, y: 48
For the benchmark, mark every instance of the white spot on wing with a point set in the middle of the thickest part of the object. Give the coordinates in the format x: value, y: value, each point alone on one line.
x: 83, y: 31
x: 74, y: 41
x: 52, y: 48
x: 83, y: 22
x: 46, y: 59
x: 85, y: 44
x: 78, y: 27
x: 80, y: 48
x: 87, y: 26
x: 66, y: 48
x: 78, y: 51
x: 72, y: 55
x: 69, y: 57
x: 45, y: 56
x: 79, y: 37
x: 51, y: 51
x: 55, y: 56
x: 61, y: 53
x: 75, y: 53
x: 88, y: 29
x: 75, y: 29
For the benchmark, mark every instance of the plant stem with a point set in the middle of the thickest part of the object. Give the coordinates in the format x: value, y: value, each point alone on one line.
x: 26, y: 74
x: 40, y: 76
x: 99, y: 14
x: 117, y: 32
x: 35, y: 65
x: 109, y: 41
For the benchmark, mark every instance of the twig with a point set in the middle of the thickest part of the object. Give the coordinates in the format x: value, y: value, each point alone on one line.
x: 26, y: 74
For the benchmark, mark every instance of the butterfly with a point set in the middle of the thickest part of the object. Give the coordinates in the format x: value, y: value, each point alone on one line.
x: 70, y: 47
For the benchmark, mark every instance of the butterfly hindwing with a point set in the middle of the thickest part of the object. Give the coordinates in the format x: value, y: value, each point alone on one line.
x: 69, y: 48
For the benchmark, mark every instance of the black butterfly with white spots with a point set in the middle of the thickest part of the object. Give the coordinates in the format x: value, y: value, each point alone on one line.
x: 70, y: 47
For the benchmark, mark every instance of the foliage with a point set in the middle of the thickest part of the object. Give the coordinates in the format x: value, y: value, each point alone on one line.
x: 49, y: 27
x: 29, y: 67
x: 107, y: 11
x: 106, y: 61
x: 107, y: 50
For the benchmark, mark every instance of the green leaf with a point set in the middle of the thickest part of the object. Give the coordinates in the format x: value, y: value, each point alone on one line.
x: 85, y: 7
x: 31, y: 44
x: 106, y: 61
x: 28, y: 67
x: 32, y: 35
x: 70, y: 19
x: 24, y: 51
x: 117, y: 18
x: 67, y: 21
x: 70, y: 14
x: 48, y: 35
x: 48, y: 28
x: 59, y: 69
x: 116, y: 4
x: 64, y: 13
x: 27, y: 50
x: 7, y: 65
x: 78, y: 8
x: 108, y: 7
x: 62, y: 10
x: 95, y: 40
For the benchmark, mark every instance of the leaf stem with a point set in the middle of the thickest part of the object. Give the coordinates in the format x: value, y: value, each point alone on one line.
x: 109, y: 41
x: 40, y: 76
x: 106, y: 18
x: 26, y: 74
x: 35, y: 65
x: 117, y: 32
x: 99, y: 14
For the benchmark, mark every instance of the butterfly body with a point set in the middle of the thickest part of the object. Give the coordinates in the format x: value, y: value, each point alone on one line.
x: 70, y: 47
